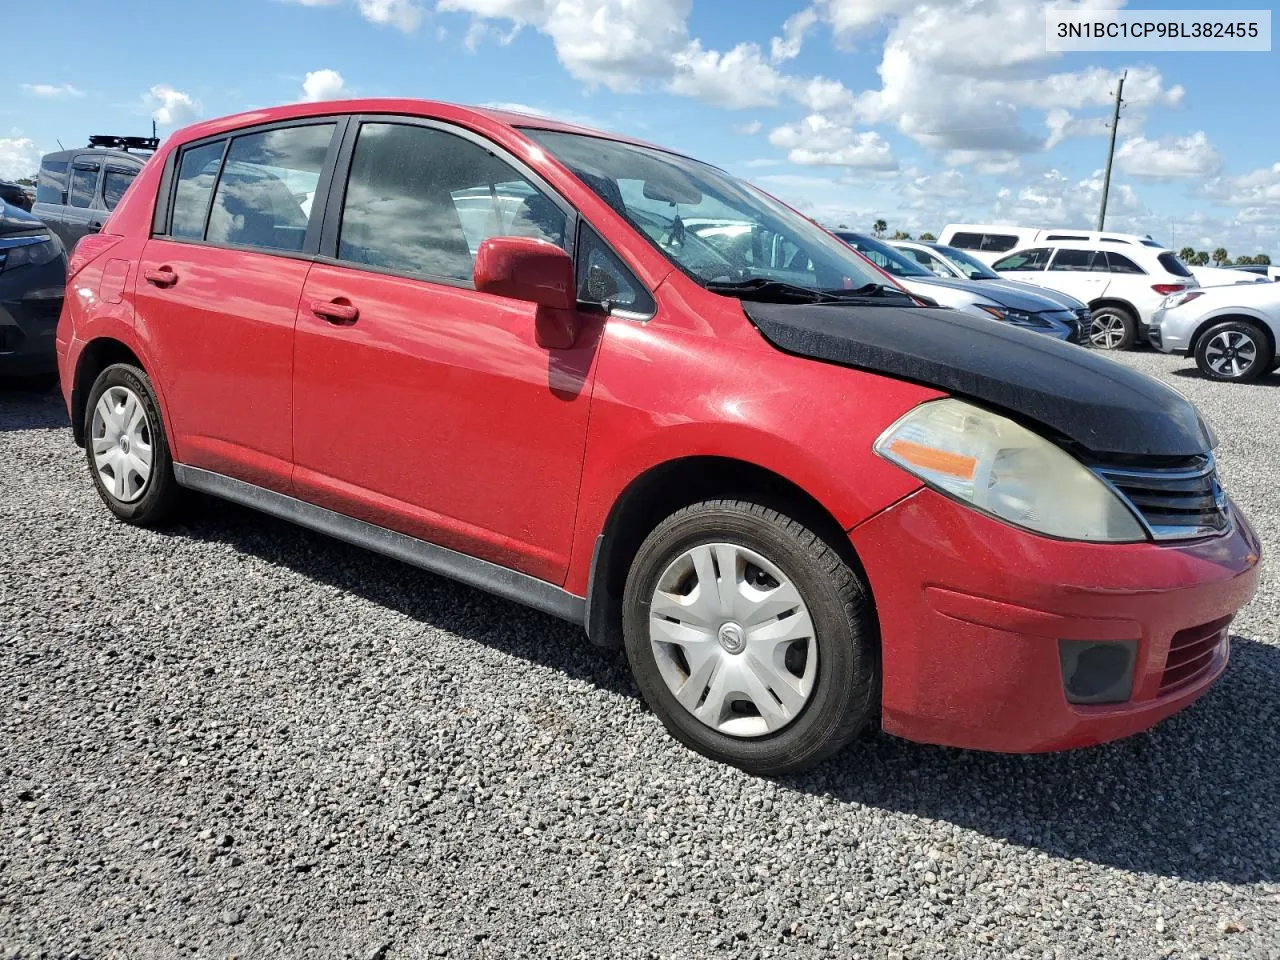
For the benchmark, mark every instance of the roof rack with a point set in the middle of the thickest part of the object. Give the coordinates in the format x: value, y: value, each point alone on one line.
x: 125, y: 143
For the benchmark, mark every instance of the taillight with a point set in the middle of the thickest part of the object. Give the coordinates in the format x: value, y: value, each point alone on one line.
x: 88, y: 249
x: 1165, y: 289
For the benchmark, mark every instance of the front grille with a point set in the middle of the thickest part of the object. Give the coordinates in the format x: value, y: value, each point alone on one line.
x: 1175, y: 502
x: 1193, y: 653
x: 1084, y: 323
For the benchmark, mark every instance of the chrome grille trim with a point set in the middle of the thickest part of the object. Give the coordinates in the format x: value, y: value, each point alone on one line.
x: 1180, y: 502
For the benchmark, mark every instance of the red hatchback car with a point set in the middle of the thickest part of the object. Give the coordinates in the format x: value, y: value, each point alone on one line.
x: 625, y: 388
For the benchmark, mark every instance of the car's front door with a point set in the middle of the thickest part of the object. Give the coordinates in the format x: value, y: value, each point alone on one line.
x: 83, y: 211
x: 421, y: 404
x: 217, y: 296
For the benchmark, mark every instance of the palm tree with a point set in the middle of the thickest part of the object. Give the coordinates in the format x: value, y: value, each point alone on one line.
x: 879, y: 227
x: 1263, y: 259
x: 1243, y: 259
x: 928, y: 237
x: 1220, y: 256
x: 1187, y: 254
x: 901, y: 235
x: 1201, y: 259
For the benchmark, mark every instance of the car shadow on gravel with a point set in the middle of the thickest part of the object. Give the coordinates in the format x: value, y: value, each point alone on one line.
x: 1195, y: 798
x: 1271, y: 379
x: 26, y: 409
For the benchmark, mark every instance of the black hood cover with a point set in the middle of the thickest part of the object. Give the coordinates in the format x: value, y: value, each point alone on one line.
x: 1096, y: 403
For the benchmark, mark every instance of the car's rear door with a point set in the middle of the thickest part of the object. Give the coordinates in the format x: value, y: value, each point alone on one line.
x: 1081, y: 273
x: 218, y: 288
x: 83, y: 212
x: 421, y: 404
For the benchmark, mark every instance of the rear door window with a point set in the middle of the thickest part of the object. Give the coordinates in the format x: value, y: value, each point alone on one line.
x: 1078, y: 261
x: 52, y: 183
x: 84, y: 182
x: 967, y: 241
x: 1173, y: 265
x: 1119, y: 263
x: 421, y: 201
x: 1033, y: 259
x: 115, y: 181
x: 267, y: 186
x: 998, y: 242
x: 197, y: 171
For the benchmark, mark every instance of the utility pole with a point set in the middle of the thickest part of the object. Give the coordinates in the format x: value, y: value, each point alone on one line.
x: 1111, y: 152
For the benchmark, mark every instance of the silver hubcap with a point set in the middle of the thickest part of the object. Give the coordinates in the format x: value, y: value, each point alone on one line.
x: 1107, y: 330
x: 733, y: 640
x: 121, y: 441
x: 1230, y: 353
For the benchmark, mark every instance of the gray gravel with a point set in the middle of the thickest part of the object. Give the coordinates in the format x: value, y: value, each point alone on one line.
x: 236, y: 738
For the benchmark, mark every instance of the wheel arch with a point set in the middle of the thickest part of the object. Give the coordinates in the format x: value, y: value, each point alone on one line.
x: 1231, y: 317
x: 1105, y: 301
x: 667, y: 487
x: 97, y: 355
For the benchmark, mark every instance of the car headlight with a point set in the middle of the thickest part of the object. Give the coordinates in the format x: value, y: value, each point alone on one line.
x: 27, y: 251
x: 1019, y: 318
x: 1178, y: 299
x: 1002, y: 468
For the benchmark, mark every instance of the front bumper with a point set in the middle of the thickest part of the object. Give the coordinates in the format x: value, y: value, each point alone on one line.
x: 28, y: 319
x: 972, y: 611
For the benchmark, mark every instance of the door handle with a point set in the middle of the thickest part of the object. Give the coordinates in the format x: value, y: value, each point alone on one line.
x: 94, y: 227
x: 161, y: 277
x: 338, y: 310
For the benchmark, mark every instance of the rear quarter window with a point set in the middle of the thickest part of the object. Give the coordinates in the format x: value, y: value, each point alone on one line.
x: 115, y: 182
x: 967, y: 241
x: 1173, y: 265
x: 998, y: 242
x: 52, y: 183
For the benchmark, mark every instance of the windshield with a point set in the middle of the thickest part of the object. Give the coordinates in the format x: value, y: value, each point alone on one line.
x: 885, y: 257
x: 972, y: 268
x: 714, y: 227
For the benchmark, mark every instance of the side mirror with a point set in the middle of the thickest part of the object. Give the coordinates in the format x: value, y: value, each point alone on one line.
x: 526, y: 269
x: 534, y: 271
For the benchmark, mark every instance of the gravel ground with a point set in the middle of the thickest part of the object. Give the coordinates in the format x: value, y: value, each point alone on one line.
x: 236, y: 738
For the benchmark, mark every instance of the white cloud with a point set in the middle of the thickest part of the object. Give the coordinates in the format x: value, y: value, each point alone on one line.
x: 818, y: 141
x: 324, y: 84
x: 53, y: 91
x: 821, y: 95
x: 18, y: 157
x: 737, y: 79
x: 787, y: 46
x: 1169, y: 157
x: 1257, y: 193
x: 405, y: 15
x: 171, y: 107
x: 619, y: 44
x: 749, y: 128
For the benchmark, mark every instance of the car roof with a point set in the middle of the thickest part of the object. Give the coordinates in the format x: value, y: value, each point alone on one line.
x: 139, y: 157
x: 1127, y: 250
x: 409, y: 106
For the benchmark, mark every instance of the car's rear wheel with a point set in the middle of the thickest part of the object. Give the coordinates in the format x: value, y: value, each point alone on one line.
x: 1113, y: 328
x: 128, y: 452
x: 1233, y: 351
x: 750, y: 637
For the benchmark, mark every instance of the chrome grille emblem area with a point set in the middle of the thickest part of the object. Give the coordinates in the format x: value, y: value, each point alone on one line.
x: 1178, y: 501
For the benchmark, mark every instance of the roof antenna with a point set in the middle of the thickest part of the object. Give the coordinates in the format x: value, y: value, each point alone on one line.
x: 59, y: 142
x: 153, y: 128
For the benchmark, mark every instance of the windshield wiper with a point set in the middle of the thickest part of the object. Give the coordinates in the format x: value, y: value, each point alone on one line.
x: 770, y: 291
x: 869, y: 290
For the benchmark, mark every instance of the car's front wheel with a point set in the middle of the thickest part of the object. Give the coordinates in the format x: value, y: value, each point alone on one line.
x: 128, y: 452
x: 1233, y: 350
x: 1113, y: 328
x: 751, y: 637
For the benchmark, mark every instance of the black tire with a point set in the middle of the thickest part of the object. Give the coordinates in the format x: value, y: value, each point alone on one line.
x: 1106, y: 322
x: 845, y: 691
x: 1238, y: 341
x: 160, y: 494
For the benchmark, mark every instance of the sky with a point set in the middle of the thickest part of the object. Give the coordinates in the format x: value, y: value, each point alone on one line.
x: 920, y: 112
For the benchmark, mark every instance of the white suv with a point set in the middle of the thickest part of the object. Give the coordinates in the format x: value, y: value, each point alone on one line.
x: 1122, y: 287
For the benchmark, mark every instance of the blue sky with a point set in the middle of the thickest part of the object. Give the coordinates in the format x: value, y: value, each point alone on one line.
x: 917, y: 111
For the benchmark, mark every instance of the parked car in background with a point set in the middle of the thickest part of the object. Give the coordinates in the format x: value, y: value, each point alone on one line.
x: 1123, y: 287
x: 1225, y: 276
x: 952, y: 264
x: 988, y: 242
x: 33, y: 272
x: 1231, y: 332
x: 1268, y: 270
x: 15, y: 194
x: 801, y: 505
x: 77, y: 189
x: 1018, y: 304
